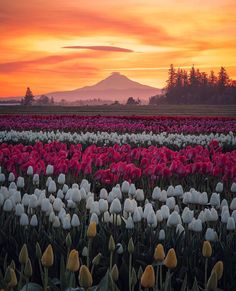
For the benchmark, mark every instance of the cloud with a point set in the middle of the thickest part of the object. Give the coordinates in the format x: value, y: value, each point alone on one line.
x: 100, y: 48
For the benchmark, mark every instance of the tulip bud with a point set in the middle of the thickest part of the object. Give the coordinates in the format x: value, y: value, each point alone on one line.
x: 68, y: 241
x: 11, y: 278
x: 111, y: 244
x: 140, y: 273
x: 206, y: 249
x: 92, y: 230
x: 170, y: 261
x: 12, y: 265
x: 212, y: 282
x: 134, y: 277
x: 159, y: 253
x: 96, y: 260
x: 48, y: 257
x: 131, y: 246
x: 73, y: 263
x: 85, y: 277
x: 23, y: 256
x: 218, y: 269
x: 115, y: 273
x: 38, y: 251
x: 148, y: 277
x: 28, y: 269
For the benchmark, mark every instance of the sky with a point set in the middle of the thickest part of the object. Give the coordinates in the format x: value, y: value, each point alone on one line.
x: 67, y: 44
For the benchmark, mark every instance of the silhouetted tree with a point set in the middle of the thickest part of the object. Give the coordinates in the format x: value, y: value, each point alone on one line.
x: 44, y: 100
x: 223, y: 79
x: 29, y: 98
x: 132, y: 101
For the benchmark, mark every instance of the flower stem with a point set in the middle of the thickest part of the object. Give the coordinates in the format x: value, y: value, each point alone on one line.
x: 206, y: 262
x: 45, y: 284
x: 130, y: 270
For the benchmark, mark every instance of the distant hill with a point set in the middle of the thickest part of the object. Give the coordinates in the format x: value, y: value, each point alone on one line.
x: 114, y: 87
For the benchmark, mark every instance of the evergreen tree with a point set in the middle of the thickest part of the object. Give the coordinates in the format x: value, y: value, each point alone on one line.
x: 29, y: 97
x: 223, y: 79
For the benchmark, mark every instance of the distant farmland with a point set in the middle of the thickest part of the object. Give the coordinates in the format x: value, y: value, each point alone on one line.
x: 199, y: 110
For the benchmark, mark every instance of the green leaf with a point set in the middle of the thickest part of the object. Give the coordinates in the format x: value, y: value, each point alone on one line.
x: 195, y: 285
x: 184, y: 285
x: 32, y: 287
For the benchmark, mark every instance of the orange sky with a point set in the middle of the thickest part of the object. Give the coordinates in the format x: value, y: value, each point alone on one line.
x: 139, y: 38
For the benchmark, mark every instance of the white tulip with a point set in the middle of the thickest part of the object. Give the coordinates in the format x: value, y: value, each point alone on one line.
x: 139, y: 195
x: 83, y: 193
x: 52, y: 216
x: 178, y: 191
x: 197, y: 225
x: 34, y: 220
x: 30, y: 171
x: 20, y: 182
x: 210, y: 235
x: 85, y: 252
x: 125, y: 187
x: 66, y: 222
x: 49, y: 170
x: 65, y: 188
x: 106, y: 217
x: 170, y: 191
x: 129, y: 223
x: 132, y: 190
x: 163, y: 196
x: 115, y: 206
x: 52, y: 187
x: 103, y: 194
x: 119, y: 249
x: 25, y: 199
x: 187, y: 198
x: 11, y: 177
x: 162, y: 234
x: 233, y: 204
x: 128, y: 206
x: 75, y: 222
x: 165, y: 211
x: 180, y: 229
x: 174, y: 219
x: 156, y: 193
x: 95, y: 208
x: 45, y: 205
x: 233, y: 187
x: 24, y: 219
x: 60, y: 194
x: 225, y: 216
x: 203, y: 199
x: 89, y: 202
x: 19, y: 209
x: 12, y: 186
x: 71, y: 204
x: 230, y: 224
x: 215, y: 200
x: 33, y: 201
x: 187, y: 215
x: 36, y: 179
x: 2, y: 178
x: 159, y: 216
x: 219, y: 187
x: 56, y: 222
x: 76, y: 195
x: 137, y: 216
x: 152, y: 219
x: 103, y: 205
x: 61, y: 179
x: 170, y: 202
x: 8, y: 205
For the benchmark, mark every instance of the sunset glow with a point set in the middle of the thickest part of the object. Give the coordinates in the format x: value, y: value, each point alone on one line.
x: 67, y: 44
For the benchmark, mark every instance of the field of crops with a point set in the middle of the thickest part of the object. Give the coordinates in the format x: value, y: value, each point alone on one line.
x: 117, y: 203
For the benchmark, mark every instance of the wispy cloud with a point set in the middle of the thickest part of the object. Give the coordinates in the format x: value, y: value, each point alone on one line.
x: 100, y: 48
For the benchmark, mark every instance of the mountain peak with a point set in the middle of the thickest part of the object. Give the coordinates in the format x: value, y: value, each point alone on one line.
x: 114, y: 87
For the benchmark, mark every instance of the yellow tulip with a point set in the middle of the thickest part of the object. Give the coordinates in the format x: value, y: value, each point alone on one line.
x: 218, y: 269
x: 170, y: 261
x: 73, y: 263
x: 85, y: 277
x: 13, y: 279
x: 159, y: 253
x: 92, y: 230
x: 28, y: 269
x: 23, y: 256
x: 148, y: 277
x: 212, y: 282
x: 206, y: 249
x: 48, y: 257
x: 115, y: 273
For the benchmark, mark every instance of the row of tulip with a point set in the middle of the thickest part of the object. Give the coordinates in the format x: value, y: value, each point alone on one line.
x: 106, y: 138
x: 108, y: 165
x: 118, y: 233
x: 120, y: 124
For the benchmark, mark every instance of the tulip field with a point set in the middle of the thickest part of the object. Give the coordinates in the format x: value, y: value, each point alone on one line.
x: 117, y: 203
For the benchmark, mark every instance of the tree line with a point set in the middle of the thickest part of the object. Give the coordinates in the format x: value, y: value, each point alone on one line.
x: 196, y: 87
